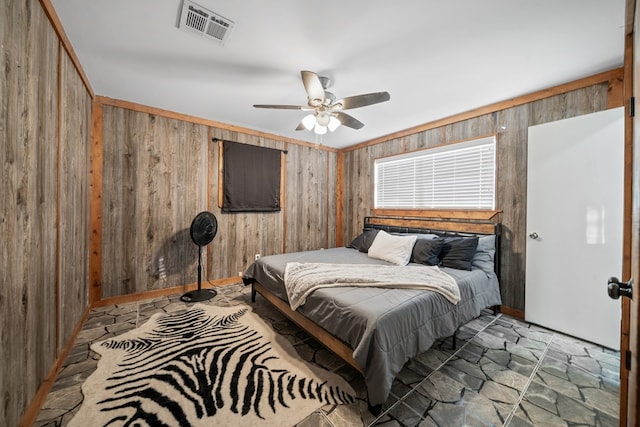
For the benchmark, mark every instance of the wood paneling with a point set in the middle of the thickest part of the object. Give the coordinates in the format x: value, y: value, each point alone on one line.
x: 511, y: 125
x: 332, y: 198
x: 511, y: 190
x: 159, y: 172
x: 95, y: 205
x: 340, y: 199
x: 73, y: 198
x: 154, y: 183
x: 311, y: 199
x: 28, y: 170
x: 65, y: 43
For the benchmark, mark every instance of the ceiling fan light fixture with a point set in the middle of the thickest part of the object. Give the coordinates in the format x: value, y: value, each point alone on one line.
x: 325, y: 112
x: 319, y: 129
x: 309, y: 122
x: 323, y: 118
x: 333, y: 123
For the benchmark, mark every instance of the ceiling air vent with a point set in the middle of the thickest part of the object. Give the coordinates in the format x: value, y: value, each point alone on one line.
x: 197, y: 19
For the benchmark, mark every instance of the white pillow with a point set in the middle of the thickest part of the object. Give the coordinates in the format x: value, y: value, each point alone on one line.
x: 392, y: 248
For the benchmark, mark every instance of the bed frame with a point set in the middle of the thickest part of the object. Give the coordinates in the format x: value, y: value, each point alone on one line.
x: 389, y: 224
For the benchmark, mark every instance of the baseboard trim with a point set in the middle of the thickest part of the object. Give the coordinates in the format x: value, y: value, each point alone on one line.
x: 122, y: 299
x: 513, y: 312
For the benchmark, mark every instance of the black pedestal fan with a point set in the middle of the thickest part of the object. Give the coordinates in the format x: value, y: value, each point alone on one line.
x: 203, y: 229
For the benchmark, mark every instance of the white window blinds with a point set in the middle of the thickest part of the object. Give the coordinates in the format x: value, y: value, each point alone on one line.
x: 456, y: 176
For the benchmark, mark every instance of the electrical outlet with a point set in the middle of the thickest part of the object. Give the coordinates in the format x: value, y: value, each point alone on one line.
x: 257, y: 256
x: 240, y: 273
x: 162, y: 270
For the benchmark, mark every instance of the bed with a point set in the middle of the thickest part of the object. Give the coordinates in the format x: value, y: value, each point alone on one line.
x: 377, y: 329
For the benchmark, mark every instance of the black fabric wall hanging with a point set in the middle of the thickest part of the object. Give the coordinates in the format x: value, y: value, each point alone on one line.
x: 251, y: 178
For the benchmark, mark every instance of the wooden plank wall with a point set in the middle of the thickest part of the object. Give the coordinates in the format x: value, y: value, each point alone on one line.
x: 36, y: 84
x: 29, y: 52
x: 160, y: 171
x: 510, y: 124
x: 310, y: 213
x: 154, y: 181
x: 75, y: 122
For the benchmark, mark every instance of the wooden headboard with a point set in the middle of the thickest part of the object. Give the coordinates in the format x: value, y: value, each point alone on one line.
x: 419, y: 224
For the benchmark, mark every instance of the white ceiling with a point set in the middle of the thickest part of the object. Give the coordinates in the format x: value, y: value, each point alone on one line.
x: 435, y: 57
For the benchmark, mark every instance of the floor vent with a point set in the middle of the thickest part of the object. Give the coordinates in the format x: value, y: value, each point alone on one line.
x: 197, y: 19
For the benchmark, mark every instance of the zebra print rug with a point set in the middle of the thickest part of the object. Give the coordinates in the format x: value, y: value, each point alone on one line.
x: 207, y: 366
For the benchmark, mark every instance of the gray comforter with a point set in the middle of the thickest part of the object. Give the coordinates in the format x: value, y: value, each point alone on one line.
x: 385, y: 327
x: 303, y: 278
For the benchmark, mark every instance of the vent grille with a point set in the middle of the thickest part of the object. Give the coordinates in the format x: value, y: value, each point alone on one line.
x: 197, y: 19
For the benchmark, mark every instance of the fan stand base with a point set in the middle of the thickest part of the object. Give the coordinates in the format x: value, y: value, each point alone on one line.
x: 198, y: 295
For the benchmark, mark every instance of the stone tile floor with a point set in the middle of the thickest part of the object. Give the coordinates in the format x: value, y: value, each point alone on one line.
x: 502, y: 372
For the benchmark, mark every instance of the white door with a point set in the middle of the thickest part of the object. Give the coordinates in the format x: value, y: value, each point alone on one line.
x: 575, y: 185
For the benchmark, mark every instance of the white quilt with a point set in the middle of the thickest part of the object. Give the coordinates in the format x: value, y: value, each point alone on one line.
x: 301, y: 279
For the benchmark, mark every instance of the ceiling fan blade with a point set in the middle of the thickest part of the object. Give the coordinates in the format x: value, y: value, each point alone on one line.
x: 301, y: 127
x: 361, y: 100
x: 347, y: 120
x: 313, y: 86
x: 282, y: 107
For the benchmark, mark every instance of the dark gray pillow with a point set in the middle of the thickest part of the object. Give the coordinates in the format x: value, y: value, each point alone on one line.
x: 458, y: 252
x: 485, y: 253
x: 427, y: 251
x: 364, y: 240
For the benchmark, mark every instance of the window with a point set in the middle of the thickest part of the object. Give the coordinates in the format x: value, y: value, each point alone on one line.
x: 454, y: 176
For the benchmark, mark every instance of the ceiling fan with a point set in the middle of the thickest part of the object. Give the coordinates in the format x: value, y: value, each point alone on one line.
x: 326, y: 111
